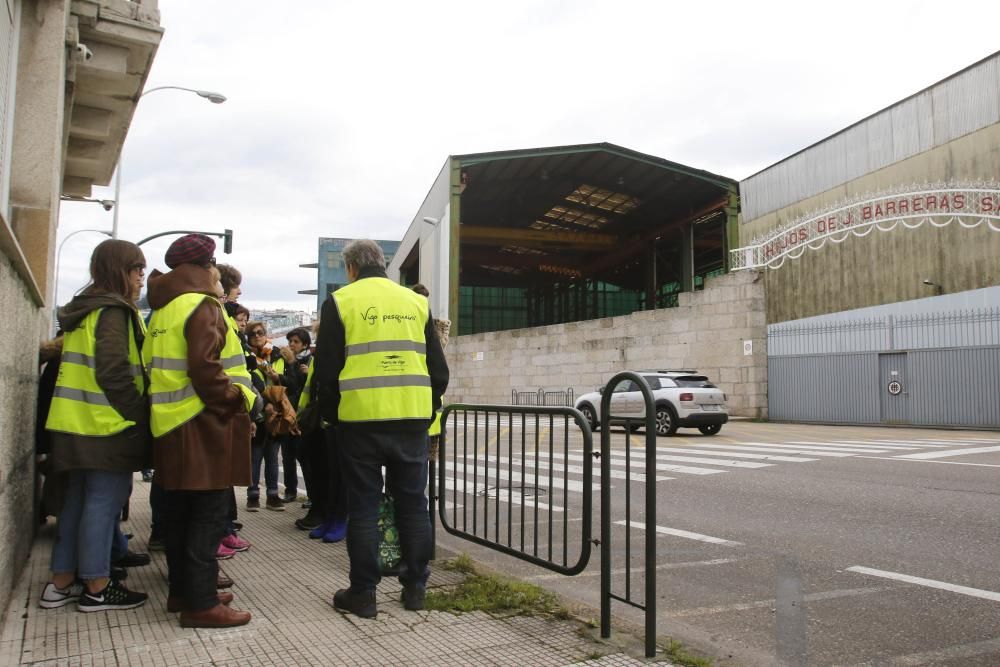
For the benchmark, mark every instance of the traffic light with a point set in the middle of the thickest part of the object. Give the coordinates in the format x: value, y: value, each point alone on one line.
x: 227, y: 242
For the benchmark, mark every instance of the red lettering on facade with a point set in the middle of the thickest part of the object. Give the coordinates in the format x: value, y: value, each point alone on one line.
x: 890, y: 208
x: 944, y: 204
x: 931, y: 202
x: 918, y: 204
x: 904, y: 206
x: 986, y: 204
x: 958, y: 201
x: 866, y: 212
x: 878, y: 211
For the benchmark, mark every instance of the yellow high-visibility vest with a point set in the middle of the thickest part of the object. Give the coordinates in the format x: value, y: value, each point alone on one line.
x: 79, y: 405
x: 385, y: 374
x: 435, y: 428
x: 174, y: 399
x: 304, y: 397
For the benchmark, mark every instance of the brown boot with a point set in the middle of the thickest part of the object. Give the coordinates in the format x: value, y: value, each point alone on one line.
x: 175, y: 605
x: 223, y: 581
x: 219, y: 616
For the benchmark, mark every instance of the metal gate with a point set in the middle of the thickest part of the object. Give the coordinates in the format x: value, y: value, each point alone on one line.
x: 937, y: 369
x: 527, y: 514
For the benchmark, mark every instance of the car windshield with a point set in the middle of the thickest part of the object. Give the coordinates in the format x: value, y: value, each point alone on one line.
x: 693, y: 381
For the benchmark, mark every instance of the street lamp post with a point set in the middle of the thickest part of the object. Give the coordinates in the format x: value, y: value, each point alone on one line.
x: 214, y: 98
x: 55, y: 292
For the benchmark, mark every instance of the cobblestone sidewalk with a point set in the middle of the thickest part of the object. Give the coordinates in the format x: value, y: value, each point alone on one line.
x: 286, y: 580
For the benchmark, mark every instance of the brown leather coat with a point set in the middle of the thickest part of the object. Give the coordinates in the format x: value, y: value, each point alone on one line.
x: 212, y: 451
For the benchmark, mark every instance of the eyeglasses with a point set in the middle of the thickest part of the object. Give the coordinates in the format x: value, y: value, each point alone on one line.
x: 258, y: 332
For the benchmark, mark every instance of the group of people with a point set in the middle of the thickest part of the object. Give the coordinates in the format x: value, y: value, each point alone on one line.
x: 199, y: 395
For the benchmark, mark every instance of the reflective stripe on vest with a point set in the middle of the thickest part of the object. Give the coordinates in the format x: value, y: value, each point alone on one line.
x: 304, y: 397
x: 385, y: 374
x: 79, y: 405
x: 173, y: 397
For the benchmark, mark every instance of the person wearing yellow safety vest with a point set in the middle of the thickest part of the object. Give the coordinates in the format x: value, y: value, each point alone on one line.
x: 201, y: 396
x: 290, y: 370
x: 99, y: 424
x: 381, y: 373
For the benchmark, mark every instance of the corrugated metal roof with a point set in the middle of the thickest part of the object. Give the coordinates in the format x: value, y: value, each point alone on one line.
x: 964, y: 102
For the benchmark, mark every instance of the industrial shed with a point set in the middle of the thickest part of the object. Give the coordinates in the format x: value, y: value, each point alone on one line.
x: 540, y: 236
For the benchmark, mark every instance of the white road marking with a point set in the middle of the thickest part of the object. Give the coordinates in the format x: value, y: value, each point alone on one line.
x: 865, y: 443
x: 695, y: 459
x: 526, y: 478
x: 624, y: 570
x: 663, y: 530
x: 769, y: 604
x: 949, y: 453
x: 686, y: 470
x: 781, y: 449
x: 930, y: 583
x: 558, y: 467
x: 737, y: 455
x: 836, y: 447
x: 948, y: 463
x: 513, y: 499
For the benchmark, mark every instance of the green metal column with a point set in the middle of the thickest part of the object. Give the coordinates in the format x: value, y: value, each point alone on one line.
x: 687, y: 257
x: 650, y: 263
x: 732, y: 236
x: 454, y: 304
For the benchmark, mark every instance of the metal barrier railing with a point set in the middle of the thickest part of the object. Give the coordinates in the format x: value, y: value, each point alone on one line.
x: 469, y: 505
x: 542, y: 397
x: 648, y: 604
x: 480, y: 489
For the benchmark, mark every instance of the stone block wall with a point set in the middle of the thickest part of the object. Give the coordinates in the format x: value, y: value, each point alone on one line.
x: 18, y: 390
x: 705, y: 332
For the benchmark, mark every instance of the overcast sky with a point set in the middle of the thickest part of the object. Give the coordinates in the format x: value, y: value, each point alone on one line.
x: 340, y: 114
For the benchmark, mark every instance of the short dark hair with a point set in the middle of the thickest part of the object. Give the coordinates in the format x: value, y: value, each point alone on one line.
x: 241, y: 310
x: 302, y: 334
x: 229, y: 276
x: 421, y: 290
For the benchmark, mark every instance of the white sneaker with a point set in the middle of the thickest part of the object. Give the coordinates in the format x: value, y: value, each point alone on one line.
x: 53, y: 598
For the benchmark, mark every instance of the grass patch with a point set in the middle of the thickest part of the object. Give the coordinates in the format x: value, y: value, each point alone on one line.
x: 676, y: 653
x: 493, y: 595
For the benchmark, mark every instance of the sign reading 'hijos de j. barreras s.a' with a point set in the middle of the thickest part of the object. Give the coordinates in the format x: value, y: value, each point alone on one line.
x: 967, y: 205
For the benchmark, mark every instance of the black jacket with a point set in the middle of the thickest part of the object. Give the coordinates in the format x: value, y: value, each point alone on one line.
x: 330, y: 359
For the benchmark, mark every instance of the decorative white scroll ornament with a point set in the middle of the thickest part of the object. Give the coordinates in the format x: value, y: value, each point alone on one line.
x: 970, y: 205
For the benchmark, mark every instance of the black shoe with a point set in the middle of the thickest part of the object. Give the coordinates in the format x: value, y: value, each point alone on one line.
x: 114, y: 596
x: 361, y: 603
x: 413, y: 597
x: 307, y: 505
x: 310, y: 521
x: 253, y: 504
x: 237, y: 526
x: 131, y: 559
x: 119, y: 573
x: 289, y: 498
x: 274, y: 503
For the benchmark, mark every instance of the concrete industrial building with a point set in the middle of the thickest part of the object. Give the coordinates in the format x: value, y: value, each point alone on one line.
x: 70, y: 77
x: 878, y: 250
x: 898, y: 212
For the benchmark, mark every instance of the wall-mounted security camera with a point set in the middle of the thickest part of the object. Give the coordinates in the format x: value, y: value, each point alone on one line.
x: 83, y: 52
x: 108, y: 204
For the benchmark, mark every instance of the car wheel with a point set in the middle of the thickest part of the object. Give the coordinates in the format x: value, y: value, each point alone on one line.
x: 711, y: 429
x: 666, y: 420
x: 591, y: 416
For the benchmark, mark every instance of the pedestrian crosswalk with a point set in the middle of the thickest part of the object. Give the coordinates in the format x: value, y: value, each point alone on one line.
x: 483, y: 474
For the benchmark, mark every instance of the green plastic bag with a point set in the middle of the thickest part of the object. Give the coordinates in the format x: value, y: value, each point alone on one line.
x: 388, y: 535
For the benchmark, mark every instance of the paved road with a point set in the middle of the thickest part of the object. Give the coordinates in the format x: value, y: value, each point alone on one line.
x: 776, y: 543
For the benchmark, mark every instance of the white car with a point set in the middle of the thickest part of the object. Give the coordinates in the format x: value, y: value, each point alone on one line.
x: 682, y: 399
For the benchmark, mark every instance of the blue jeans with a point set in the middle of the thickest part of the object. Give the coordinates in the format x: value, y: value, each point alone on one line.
x: 265, y: 450
x: 87, y: 521
x: 119, y: 543
x: 404, y: 456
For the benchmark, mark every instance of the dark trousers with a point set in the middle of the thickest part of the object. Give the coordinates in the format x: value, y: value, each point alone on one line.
x: 195, y: 524
x: 404, y: 456
x: 324, y: 478
x: 156, y: 507
x: 293, y: 451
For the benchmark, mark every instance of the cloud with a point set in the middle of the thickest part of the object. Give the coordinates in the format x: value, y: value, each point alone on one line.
x: 340, y: 114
